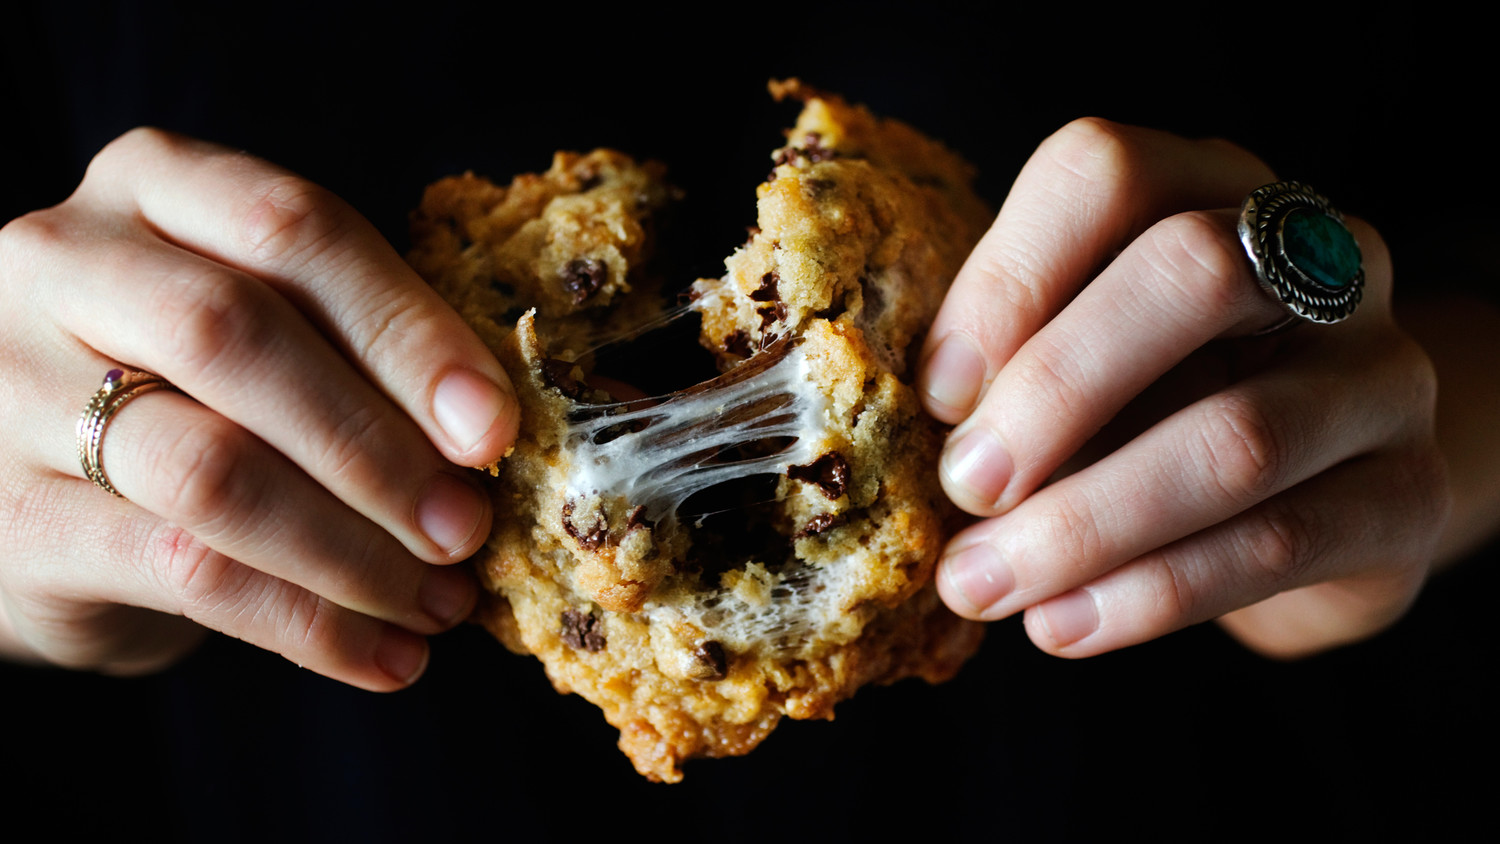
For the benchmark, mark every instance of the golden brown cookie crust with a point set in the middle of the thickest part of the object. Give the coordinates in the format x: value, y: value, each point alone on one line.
x: 694, y: 645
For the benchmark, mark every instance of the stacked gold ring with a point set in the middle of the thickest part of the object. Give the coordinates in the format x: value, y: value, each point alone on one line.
x: 120, y: 386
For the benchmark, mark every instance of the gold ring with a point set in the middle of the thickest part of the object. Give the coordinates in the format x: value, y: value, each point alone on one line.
x: 120, y: 386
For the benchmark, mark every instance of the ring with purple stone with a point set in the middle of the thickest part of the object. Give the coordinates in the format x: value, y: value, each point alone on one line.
x: 1303, y: 254
x: 120, y: 386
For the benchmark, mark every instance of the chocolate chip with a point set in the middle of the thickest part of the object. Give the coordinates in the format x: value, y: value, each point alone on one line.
x: 813, y: 148
x: 583, y: 277
x: 818, y: 187
x: 820, y: 523
x: 558, y: 374
x: 590, y: 537
x: 767, y: 291
x: 637, y: 518
x: 583, y: 631
x: 830, y: 472
x: 738, y: 344
x: 710, y: 661
x: 769, y: 316
x: 834, y: 310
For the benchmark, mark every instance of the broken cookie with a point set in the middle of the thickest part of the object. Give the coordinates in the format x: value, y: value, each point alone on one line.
x: 702, y: 563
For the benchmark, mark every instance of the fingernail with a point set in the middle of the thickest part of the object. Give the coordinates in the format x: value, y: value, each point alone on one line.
x: 978, y: 466
x: 978, y: 577
x: 402, y: 655
x: 449, y: 511
x: 953, y: 376
x: 1070, y: 617
x: 466, y: 405
x: 446, y: 595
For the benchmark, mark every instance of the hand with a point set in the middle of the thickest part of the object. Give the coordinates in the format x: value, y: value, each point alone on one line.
x: 1101, y: 337
x: 302, y: 491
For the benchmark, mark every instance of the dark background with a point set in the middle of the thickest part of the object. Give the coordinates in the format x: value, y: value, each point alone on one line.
x: 1189, y: 737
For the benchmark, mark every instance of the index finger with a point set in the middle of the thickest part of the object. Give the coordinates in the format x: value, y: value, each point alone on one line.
x: 1089, y: 189
x: 331, y: 264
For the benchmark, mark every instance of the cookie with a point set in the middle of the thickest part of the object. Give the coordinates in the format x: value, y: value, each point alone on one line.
x: 567, y: 241
x: 703, y: 563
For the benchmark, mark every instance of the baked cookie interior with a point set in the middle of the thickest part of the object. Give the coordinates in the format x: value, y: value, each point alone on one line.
x: 701, y: 563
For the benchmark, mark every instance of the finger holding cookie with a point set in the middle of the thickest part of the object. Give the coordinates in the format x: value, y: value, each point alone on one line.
x: 285, y: 420
x: 1142, y: 457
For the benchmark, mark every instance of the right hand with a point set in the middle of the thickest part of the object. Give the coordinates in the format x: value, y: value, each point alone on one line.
x: 1143, y: 458
x: 302, y: 492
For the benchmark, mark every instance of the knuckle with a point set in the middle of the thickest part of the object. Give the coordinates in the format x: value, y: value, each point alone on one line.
x: 1422, y: 497
x: 112, y: 167
x: 218, y: 592
x: 290, y: 220
x: 1068, y: 537
x: 1192, y: 252
x: 996, y: 276
x: 1430, y: 483
x: 209, y: 478
x: 391, y: 326
x: 362, y: 432
x: 1241, y: 448
x: 1278, y: 545
x: 1177, y: 598
x: 195, y: 575
x: 1053, y: 376
x: 141, y: 138
x: 1095, y: 151
x: 1420, y: 378
x: 142, y: 141
x: 210, y: 315
x: 310, y: 624
x: 25, y: 239
x: 1424, y: 385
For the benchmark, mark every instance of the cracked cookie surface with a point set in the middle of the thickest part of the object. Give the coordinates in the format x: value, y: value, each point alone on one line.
x: 810, y: 575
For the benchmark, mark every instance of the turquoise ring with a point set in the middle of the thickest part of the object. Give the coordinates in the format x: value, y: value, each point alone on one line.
x: 1303, y: 254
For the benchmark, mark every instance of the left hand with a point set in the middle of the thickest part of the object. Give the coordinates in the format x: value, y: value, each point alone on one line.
x: 304, y: 490
x: 1102, y: 336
